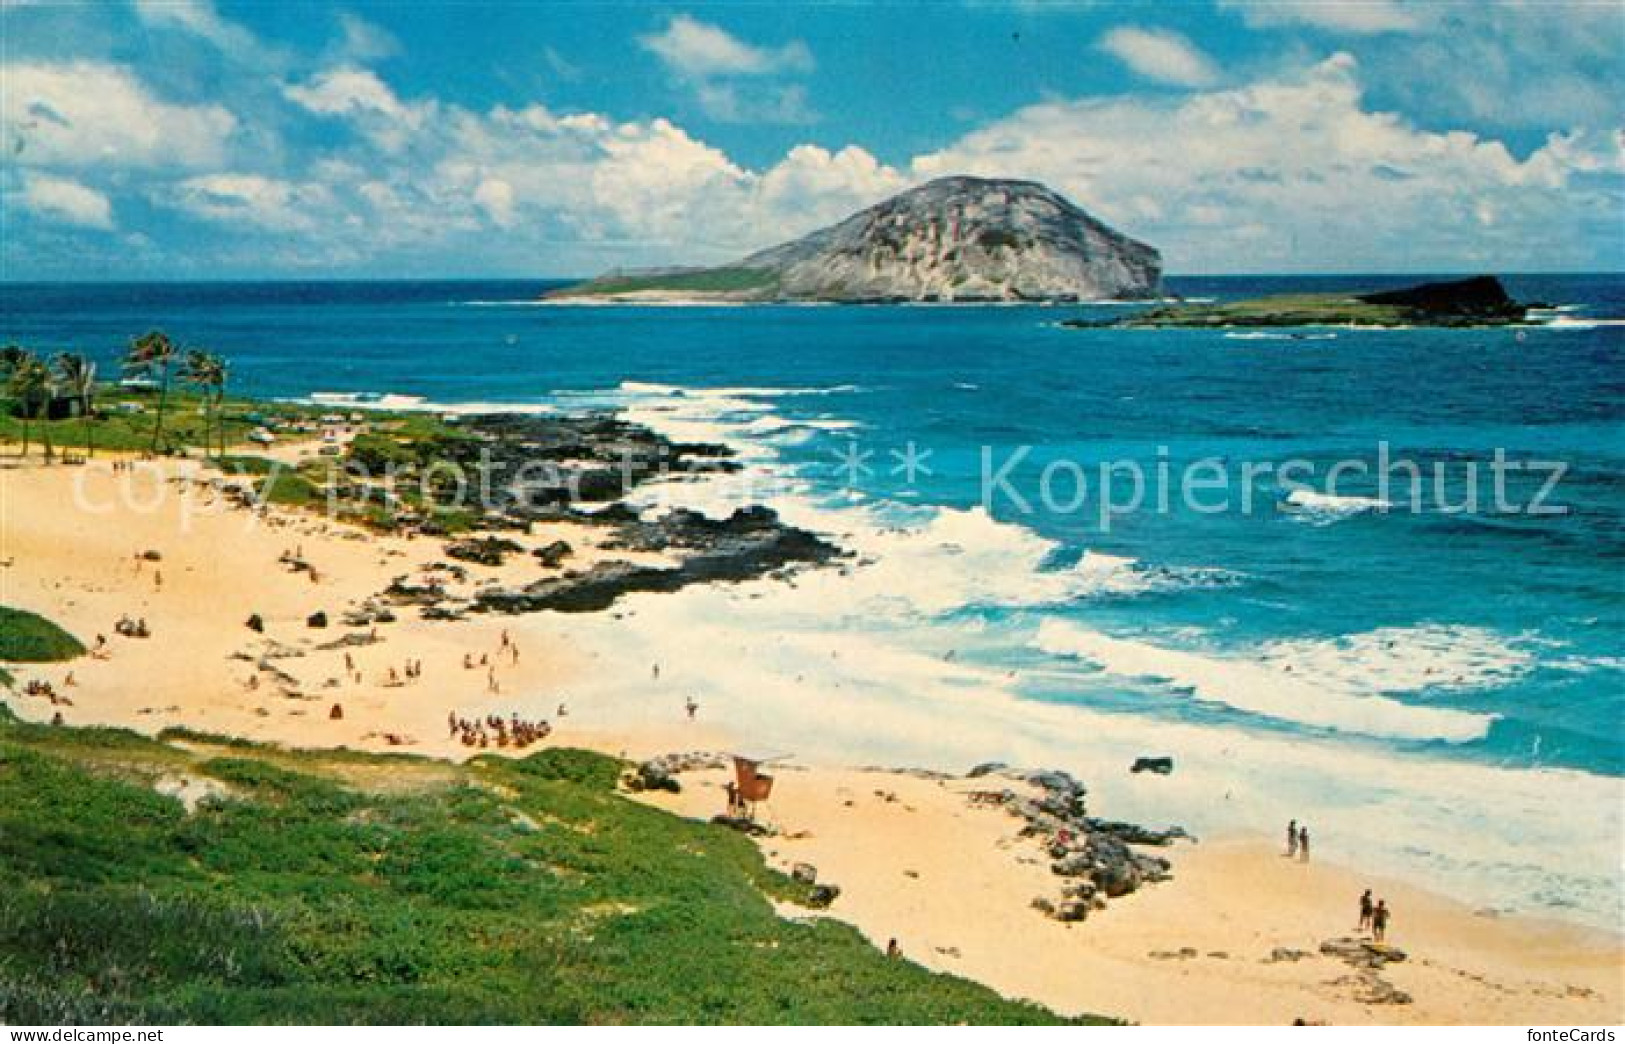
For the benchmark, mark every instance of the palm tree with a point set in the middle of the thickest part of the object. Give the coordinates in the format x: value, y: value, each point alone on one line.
x: 208, y: 372
x: 30, y: 384
x: 153, y: 353
x: 78, y: 377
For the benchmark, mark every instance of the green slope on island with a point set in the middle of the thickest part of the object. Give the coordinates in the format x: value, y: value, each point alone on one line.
x: 194, y: 879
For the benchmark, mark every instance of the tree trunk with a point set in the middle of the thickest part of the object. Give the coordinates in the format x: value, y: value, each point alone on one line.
x: 163, y: 399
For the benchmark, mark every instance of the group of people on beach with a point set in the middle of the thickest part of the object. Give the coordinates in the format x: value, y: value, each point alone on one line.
x: 1297, y: 842
x: 1374, y: 916
x: 129, y: 628
x: 513, y: 732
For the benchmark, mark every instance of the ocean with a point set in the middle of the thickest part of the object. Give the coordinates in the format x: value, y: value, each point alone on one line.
x: 1435, y: 684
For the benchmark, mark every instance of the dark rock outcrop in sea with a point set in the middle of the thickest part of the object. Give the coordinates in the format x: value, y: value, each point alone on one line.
x: 579, y: 469
x: 952, y: 239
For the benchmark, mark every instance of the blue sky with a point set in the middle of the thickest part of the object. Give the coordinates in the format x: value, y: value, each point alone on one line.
x: 187, y: 139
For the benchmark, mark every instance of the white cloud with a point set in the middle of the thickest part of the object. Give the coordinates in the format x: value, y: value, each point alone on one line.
x: 199, y: 18
x: 84, y: 114
x: 359, y: 95
x: 1161, y: 55
x: 68, y: 201
x: 495, y: 197
x: 698, y: 50
x: 714, y: 65
x: 362, y: 41
x: 1511, y: 64
x: 1296, y: 173
x: 269, y: 203
x: 1351, y: 16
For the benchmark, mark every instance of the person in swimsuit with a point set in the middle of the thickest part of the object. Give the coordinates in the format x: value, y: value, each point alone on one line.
x: 1379, y: 921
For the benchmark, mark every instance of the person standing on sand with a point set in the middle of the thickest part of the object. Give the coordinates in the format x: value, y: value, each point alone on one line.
x: 1303, y: 844
x: 1379, y: 921
x: 692, y: 707
x: 1365, y: 910
x: 1292, y: 839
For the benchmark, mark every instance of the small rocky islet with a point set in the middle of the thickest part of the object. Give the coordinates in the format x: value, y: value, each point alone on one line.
x: 1479, y: 301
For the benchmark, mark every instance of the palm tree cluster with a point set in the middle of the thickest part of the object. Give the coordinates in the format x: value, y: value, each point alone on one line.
x: 34, y: 382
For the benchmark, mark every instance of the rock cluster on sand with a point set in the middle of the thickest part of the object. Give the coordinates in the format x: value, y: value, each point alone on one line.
x: 1368, y: 959
x: 1093, y: 855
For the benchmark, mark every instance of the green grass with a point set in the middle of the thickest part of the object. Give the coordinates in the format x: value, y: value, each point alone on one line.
x: 28, y: 638
x: 699, y: 281
x: 355, y: 888
x: 122, y: 431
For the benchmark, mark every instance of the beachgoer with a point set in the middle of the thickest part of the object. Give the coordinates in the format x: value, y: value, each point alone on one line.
x: 563, y: 711
x: 1379, y: 921
x: 693, y: 708
x: 1292, y: 839
x: 655, y: 672
x: 1303, y: 844
x: 1365, y: 910
x: 893, y: 950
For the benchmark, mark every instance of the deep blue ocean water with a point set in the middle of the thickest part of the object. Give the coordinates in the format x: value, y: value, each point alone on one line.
x: 1463, y: 631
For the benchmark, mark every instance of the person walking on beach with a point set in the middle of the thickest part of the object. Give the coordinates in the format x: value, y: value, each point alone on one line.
x: 1379, y: 921
x: 1303, y: 844
x: 1292, y: 839
x: 1365, y: 911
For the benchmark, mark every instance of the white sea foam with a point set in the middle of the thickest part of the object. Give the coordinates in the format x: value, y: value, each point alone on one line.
x: 1264, y: 686
x: 1564, y: 322
x: 1263, y: 335
x: 1324, y: 508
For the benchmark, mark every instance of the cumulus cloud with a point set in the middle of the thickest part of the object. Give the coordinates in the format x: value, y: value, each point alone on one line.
x: 1298, y: 173
x: 83, y: 114
x: 269, y: 203
x: 731, y: 80
x: 1161, y: 55
x: 359, y: 95
x: 67, y: 201
x: 695, y: 49
x: 1352, y: 16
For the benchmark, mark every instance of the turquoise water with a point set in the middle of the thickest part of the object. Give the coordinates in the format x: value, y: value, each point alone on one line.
x: 1461, y: 634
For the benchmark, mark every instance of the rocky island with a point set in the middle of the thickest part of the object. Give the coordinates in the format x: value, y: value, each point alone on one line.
x: 956, y: 239
x: 1478, y: 301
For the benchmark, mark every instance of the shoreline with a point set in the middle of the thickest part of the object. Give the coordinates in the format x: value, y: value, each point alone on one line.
x: 77, y: 569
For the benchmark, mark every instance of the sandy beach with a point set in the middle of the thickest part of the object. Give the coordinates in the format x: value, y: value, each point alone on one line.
x: 1234, y: 938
